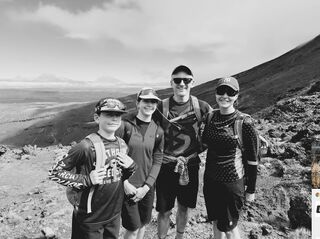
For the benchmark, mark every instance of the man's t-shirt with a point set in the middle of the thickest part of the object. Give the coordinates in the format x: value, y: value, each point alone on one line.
x: 180, y: 136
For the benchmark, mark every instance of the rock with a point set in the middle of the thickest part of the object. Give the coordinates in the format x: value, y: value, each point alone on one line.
x: 254, y: 234
x: 28, y: 218
x: 266, y: 229
x: 314, y: 88
x: 300, y: 233
x: 48, y: 232
x: 3, y: 149
x: 273, y: 133
x: 17, y: 151
x: 73, y: 143
x: 13, y: 218
x: 25, y: 157
x: 300, y: 211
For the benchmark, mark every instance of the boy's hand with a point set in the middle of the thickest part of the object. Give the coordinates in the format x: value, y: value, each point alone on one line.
x: 97, y: 176
x: 141, y: 192
x: 124, y: 160
x: 129, y: 189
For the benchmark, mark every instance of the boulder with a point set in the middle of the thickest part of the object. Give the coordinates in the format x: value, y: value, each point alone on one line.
x: 300, y: 211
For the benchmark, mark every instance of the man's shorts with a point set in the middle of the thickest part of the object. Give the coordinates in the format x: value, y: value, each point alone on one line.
x: 224, y: 202
x: 168, y: 188
x: 136, y: 215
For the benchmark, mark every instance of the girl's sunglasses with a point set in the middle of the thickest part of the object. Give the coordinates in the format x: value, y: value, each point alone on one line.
x: 221, y: 90
x: 186, y: 81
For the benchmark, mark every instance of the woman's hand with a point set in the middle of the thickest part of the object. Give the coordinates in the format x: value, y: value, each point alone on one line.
x: 124, y: 160
x: 129, y: 189
x: 141, y: 192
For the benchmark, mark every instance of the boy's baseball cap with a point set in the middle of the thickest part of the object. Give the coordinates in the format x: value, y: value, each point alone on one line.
x: 110, y: 105
x: 148, y: 93
x: 229, y: 81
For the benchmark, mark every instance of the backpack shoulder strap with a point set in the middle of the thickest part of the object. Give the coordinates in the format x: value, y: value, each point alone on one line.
x: 196, y: 107
x: 238, y: 132
x: 99, y: 148
x: 238, y: 128
x: 210, y: 116
x: 122, y: 144
x: 165, y: 107
x: 100, y: 161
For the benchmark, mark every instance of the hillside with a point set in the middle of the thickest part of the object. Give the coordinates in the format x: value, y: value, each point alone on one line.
x: 260, y: 86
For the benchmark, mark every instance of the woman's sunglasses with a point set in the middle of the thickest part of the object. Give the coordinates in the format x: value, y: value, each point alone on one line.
x: 221, y: 90
x: 186, y: 81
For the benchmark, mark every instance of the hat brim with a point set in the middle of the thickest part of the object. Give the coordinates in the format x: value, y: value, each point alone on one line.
x: 151, y: 97
x: 231, y: 86
x: 113, y: 110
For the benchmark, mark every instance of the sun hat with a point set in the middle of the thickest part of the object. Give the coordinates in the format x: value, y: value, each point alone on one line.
x: 148, y: 93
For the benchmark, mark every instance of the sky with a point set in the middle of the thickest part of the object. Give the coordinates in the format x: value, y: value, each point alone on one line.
x: 122, y: 42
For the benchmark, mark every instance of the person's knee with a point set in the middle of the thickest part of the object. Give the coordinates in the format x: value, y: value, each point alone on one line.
x: 182, y: 209
x: 164, y: 215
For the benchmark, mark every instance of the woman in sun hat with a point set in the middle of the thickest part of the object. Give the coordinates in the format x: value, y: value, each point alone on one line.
x: 145, y: 140
x: 228, y: 162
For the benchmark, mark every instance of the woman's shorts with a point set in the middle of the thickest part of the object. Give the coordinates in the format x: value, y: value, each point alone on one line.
x: 224, y: 202
x: 136, y: 215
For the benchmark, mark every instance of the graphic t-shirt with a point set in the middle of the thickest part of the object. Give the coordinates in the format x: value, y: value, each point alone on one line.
x: 181, y: 136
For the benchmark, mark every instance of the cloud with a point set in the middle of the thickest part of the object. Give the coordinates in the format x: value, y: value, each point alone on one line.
x: 141, y: 25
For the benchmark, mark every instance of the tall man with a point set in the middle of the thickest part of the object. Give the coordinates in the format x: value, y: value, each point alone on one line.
x: 180, y: 117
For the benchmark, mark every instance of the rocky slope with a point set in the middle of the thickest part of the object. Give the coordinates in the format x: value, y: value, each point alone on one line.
x: 33, y: 207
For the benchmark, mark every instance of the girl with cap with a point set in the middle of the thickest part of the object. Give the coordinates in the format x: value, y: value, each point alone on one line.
x: 145, y: 140
x: 224, y: 185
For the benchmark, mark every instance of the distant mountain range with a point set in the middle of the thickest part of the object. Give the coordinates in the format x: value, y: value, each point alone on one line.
x: 260, y: 87
x: 53, y: 82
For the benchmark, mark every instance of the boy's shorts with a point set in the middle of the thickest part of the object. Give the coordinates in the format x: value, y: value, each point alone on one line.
x: 136, y: 215
x: 109, y: 230
x: 168, y: 188
x: 224, y: 202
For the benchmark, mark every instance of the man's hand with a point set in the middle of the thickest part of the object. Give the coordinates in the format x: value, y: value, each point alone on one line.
x: 97, y: 176
x: 250, y: 197
x: 124, y: 160
x: 129, y: 189
x: 141, y: 192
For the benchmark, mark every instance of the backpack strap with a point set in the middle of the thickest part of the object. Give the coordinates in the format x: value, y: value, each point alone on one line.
x: 99, y: 148
x: 196, y: 108
x: 100, y: 161
x: 238, y: 132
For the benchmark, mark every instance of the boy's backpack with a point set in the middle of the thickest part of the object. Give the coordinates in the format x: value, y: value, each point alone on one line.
x: 73, y: 194
x: 262, y: 143
x: 196, y: 111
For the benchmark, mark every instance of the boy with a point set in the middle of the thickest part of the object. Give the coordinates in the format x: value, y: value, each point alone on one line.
x: 97, y: 190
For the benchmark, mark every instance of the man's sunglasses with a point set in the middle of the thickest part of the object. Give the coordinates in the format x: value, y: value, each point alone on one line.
x: 186, y: 81
x: 221, y: 90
